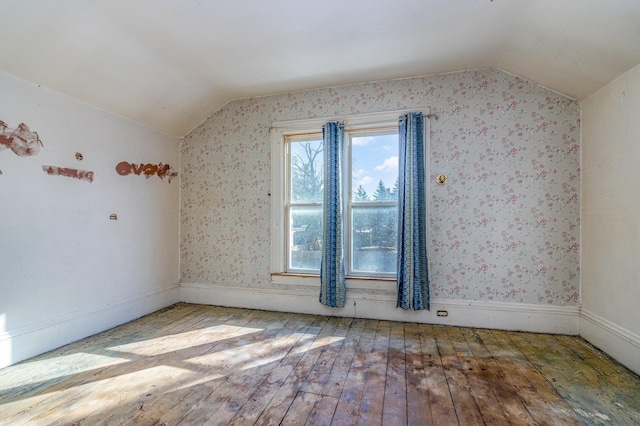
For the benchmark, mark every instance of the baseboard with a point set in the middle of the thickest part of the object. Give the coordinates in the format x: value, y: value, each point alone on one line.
x: 617, y: 342
x: 494, y: 315
x: 25, y: 342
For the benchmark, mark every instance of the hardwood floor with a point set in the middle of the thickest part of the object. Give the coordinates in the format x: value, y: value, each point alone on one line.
x: 194, y: 364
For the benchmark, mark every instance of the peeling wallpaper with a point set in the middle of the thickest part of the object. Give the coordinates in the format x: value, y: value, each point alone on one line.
x: 505, y: 227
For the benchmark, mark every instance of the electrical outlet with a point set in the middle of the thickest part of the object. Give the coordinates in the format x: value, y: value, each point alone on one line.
x: 443, y: 313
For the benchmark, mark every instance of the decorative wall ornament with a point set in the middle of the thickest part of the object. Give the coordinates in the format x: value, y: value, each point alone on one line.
x: 21, y: 140
x: 72, y: 173
x: 161, y: 170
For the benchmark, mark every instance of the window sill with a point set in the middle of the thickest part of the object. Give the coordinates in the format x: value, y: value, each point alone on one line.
x: 314, y: 281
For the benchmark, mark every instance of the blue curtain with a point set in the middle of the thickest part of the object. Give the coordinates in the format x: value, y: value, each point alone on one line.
x: 413, y: 277
x: 332, y: 275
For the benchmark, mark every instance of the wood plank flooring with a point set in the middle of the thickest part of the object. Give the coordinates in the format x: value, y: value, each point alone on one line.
x: 196, y: 365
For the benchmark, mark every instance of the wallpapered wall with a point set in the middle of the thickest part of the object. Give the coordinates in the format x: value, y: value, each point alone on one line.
x: 505, y: 227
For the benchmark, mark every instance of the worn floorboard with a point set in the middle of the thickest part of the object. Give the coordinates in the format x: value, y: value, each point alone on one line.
x: 196, y: 365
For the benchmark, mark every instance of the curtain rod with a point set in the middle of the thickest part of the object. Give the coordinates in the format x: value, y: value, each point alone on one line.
x: 357, y: 118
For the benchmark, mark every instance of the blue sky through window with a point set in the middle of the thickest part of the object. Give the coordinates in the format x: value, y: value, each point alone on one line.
x: 374, y: 158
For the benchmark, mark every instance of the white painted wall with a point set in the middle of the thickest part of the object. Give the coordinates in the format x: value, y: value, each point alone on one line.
x: 610, y: 255
x: 66, y: 269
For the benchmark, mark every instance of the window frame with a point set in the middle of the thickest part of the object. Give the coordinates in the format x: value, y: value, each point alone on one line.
x: 279, y: 131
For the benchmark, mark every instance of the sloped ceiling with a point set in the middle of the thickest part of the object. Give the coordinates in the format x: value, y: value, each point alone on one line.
x: 171, y: 63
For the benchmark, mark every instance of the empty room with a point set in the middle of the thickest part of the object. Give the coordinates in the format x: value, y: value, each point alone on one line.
x: 322, y: 213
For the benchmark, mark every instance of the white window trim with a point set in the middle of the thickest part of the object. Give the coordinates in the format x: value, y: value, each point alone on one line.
x: 282, y: 129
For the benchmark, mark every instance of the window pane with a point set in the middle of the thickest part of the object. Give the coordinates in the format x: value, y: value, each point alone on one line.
x: 374, y: 167
x: 305, y: 238
x: 374, y: 239
x: 306, y: 171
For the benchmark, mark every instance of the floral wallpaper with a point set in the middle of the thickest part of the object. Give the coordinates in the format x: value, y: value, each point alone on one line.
x: 505, y: 226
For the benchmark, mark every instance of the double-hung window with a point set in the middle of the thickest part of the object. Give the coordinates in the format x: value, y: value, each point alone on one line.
x: 363, y: 228
x: 369, y: 188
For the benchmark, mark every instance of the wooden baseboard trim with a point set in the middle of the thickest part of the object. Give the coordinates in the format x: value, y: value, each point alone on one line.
x: 495, y: 315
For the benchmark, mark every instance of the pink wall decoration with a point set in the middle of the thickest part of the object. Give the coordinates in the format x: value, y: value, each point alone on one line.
x: 21, y: 140
x: 161, y: 170
x: 72, y: 173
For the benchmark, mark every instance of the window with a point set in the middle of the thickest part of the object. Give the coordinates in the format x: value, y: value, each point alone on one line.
x: 370, y: 184
x: 304, y: 203
x: 372, y: 208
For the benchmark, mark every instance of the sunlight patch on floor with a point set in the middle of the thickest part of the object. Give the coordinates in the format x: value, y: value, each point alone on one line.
x: 171, y: 343
x: 318, y: 343
x: 52, y: 368
x: 111, y: 392
x: 269, y: 351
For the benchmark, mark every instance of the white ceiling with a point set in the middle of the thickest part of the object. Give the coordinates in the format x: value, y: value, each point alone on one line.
x: 172, y: 63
